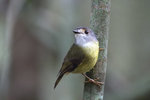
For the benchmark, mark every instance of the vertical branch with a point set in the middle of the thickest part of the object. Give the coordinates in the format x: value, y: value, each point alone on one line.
x: 100, y: 16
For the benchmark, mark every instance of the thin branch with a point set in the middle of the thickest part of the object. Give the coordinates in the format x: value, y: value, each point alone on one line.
x: 100, y: 16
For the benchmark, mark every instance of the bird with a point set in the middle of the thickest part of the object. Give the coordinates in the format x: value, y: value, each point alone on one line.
x: 82, y: 55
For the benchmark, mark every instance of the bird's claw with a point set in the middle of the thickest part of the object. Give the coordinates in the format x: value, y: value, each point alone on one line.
x: 95, y: 81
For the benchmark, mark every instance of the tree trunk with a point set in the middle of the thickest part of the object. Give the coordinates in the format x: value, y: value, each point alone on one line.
x: 100, y: 16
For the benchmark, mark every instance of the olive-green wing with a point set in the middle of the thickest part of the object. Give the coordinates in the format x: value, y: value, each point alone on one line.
x: 73, y: 58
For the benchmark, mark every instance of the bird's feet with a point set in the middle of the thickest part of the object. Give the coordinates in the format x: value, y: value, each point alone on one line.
x: 95, y: 81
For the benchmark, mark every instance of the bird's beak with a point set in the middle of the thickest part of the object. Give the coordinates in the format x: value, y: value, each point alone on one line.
x: 76, y: 31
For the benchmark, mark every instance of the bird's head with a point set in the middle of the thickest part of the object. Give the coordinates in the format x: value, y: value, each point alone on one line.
x: 84, y: 35
x: 83, y: 31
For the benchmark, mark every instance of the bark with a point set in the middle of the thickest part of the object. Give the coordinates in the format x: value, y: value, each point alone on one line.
x: 100, y: 16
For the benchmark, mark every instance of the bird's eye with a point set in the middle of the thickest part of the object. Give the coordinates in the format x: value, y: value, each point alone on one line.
x: 86, y: 32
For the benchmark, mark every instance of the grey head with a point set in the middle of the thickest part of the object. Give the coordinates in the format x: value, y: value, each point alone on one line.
x: 84, y: 35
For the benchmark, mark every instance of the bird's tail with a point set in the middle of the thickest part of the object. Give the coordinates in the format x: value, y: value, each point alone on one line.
x: 58, y: 79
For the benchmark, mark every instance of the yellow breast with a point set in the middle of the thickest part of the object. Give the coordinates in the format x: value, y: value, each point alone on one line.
x: 91, y: 51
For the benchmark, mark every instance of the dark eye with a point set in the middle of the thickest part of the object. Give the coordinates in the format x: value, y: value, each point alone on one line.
x: 86, y: 32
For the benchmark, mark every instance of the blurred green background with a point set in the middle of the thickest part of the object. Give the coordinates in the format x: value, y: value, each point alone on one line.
x: 35, y: 35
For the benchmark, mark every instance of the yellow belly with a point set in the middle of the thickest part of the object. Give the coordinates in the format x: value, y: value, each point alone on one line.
x: 91, y: 51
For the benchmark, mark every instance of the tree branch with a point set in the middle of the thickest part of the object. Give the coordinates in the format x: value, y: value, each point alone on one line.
x: 100, y: 16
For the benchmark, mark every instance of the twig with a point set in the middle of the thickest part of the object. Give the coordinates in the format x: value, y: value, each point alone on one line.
x: 100, y: 16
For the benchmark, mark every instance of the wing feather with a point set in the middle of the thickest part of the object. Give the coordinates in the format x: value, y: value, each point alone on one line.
x: 73, y: 58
